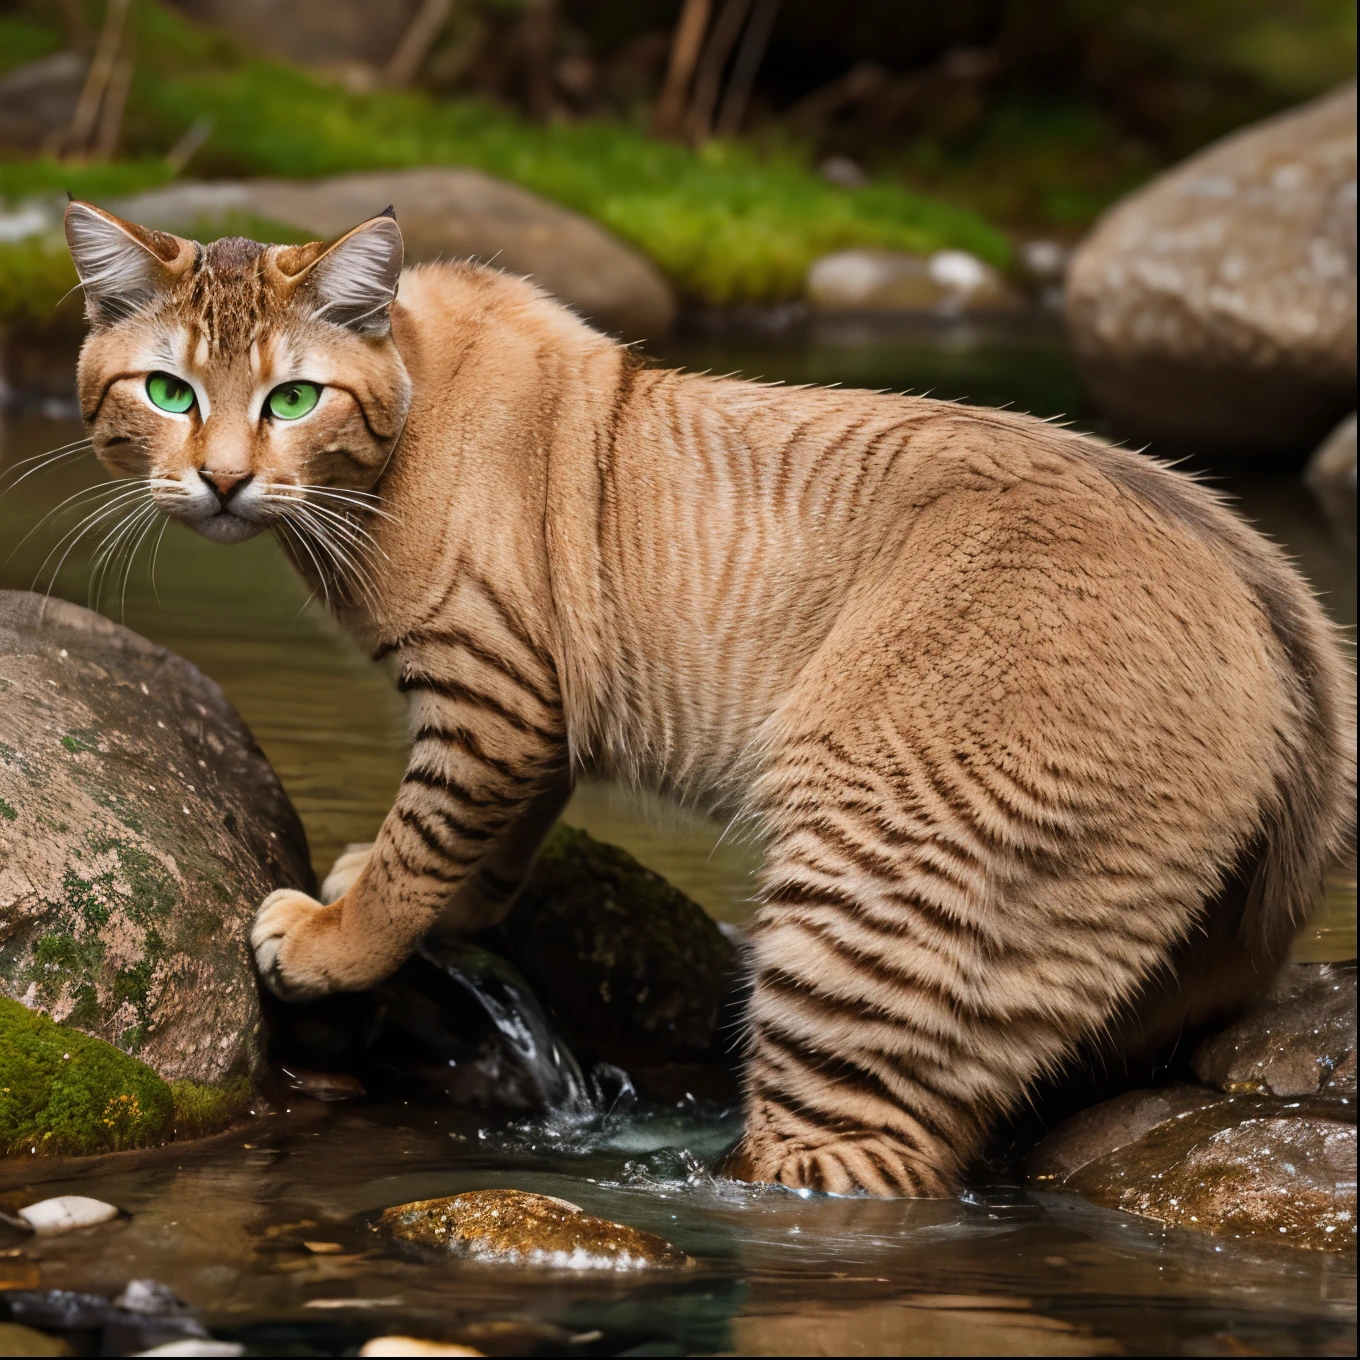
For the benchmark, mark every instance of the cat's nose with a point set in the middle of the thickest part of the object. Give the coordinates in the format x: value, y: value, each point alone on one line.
x: 225, y: 483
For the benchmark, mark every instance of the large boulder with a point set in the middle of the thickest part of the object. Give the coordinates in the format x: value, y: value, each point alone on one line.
x: 140, y: 827
x: 445, y: 214
x: 1216, y: 308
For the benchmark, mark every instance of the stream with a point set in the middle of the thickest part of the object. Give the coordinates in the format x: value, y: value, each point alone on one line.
x: 1001, y: 1270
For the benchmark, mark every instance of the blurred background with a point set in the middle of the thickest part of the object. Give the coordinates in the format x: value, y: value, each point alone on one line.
x: 1136, y: 216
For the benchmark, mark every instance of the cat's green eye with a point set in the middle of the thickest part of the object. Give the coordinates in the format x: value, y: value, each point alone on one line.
x: 170, y: 393
x: 293, y: 400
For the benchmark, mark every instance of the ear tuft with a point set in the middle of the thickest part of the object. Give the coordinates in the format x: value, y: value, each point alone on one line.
x: 355, y: 282
x: 121, y: 265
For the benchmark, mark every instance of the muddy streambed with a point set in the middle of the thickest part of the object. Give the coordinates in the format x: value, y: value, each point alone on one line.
x: 226, y: 1222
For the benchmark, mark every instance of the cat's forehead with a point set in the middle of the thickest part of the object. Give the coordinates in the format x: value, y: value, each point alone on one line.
x: 228, y: 296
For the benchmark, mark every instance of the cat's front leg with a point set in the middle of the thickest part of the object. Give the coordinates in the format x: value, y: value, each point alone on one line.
x: 483, y: 763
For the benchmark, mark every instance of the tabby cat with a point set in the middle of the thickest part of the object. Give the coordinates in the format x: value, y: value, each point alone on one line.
x: 1044, y: 745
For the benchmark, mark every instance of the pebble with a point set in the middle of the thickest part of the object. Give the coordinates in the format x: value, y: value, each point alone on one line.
x: 518, y: 1228
x: 413, y: 1345
x: 194, y: 1345
x: 65, y: 1213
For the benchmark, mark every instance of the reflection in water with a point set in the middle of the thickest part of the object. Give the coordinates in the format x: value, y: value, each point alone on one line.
x: 227, y: 1222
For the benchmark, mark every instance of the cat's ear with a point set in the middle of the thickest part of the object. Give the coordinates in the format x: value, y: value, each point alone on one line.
x: 121, y: 266
x: 353, y: 281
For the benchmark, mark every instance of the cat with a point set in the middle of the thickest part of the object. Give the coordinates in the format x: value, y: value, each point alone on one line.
x: 1045, y: 747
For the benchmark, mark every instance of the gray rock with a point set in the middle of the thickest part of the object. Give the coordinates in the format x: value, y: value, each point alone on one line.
x: 1216, y: 307
x: 38, y: 99
x: 1238, y: 1165
x: 140, y: 827
x: 1330, y: 476
x: 1295, y: 1043
x: 948, y: 283
x: 445, y: 214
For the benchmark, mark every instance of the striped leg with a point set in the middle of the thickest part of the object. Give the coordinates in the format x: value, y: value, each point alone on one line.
x: 909, y: 983
x: 487, y: 775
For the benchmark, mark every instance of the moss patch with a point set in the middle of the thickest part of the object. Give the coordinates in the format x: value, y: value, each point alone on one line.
x: 65, y: 1093
x: 201, y: 1110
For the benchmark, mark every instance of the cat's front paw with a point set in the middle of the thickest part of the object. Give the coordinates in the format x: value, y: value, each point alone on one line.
x: 288, y: 937
x: 346, y: 870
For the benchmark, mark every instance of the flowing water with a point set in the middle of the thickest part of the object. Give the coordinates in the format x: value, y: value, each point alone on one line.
x: 998, y: 1271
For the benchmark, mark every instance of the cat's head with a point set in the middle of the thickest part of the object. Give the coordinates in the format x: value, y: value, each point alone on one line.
x: 252, y: 386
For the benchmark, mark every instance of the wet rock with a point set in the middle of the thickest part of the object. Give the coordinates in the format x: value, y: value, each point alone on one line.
x: 633, y: 971
x: 445, y: 214
x: 1294, y: 1043
x: 65, y: 1213
x: 1237, y: 1165
x: 140, y: 827
x: 514, y: 1227
x: 89, y: 1324
x: 1216, y: 307
x: 948, y: 283
x: 1330, y: 476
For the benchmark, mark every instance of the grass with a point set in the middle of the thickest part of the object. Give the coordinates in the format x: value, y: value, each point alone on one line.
x: 727, y: 225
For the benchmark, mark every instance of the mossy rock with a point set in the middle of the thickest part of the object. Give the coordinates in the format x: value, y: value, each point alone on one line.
x: 140, y: 828
x: 634, y: 972
x: 64, y: 1093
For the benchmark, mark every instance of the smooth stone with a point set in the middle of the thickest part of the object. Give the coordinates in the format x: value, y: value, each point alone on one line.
x: 948, y: 283
x: 413, y: 1345
x: 515, y: 1227
x: 1246, y: 1166
x: 193, y: 1345
x: 140, y: 827
x: 1330, y: 476
x: 65, y: 1213
x: 444, y: 214
x: 1294, y: 1043
x: 1215, y: 309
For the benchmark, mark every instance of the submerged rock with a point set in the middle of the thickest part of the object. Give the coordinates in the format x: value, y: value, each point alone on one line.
x: 1330, y: 476
x: 445, y: 214
x: 140, y: 827
x: 1215, y: 308
x: 1239, y: 1165
x: 634, y: 972
x: 1297, y: 1042
x: 514, y: 1227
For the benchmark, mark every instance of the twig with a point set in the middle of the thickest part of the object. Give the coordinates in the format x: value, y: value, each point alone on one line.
x: 97, y: 80
x: 115, y: 101
x: 689, y: 37
x: 752, y: 53
x: 189, y: 144
x: 425, y: 26
x: 708, y: 82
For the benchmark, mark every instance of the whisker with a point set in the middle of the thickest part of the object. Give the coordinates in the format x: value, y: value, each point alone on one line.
x: 84, y: 494
x: 296, y: 531
x: 45, y: 460
x: 106, y: 558
x: 349, y: 571
x: 155, y: 553
x: 151, y: 514
x: 114, y: 505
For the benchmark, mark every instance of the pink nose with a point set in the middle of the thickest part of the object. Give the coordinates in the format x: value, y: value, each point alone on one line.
x: 225, y: 482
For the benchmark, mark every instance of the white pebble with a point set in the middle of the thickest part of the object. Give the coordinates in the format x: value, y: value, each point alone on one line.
x: 66, y: 1212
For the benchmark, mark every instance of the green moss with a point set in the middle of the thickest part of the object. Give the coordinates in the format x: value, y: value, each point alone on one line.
x: 727, y: 224
x: 7, y: 812
x: 65, y: 1093
x: 201, y: 1110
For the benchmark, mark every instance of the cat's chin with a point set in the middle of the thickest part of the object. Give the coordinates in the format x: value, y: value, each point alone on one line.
x: 226, y: 527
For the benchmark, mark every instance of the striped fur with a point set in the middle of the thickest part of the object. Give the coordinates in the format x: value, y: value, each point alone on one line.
x: 1044, y: 745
